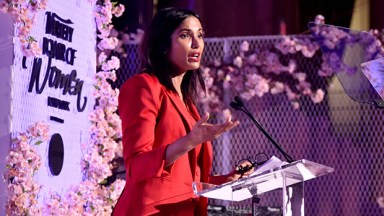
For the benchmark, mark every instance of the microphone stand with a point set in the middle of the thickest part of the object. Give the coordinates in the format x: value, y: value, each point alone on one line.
x: 239, y: 105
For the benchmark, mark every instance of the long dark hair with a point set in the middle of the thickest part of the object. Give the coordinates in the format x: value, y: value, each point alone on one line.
x: 155, y: 45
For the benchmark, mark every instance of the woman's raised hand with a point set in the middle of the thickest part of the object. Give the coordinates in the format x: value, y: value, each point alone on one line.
x: 203, y: 131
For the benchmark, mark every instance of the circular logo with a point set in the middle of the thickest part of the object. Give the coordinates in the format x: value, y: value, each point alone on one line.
x: 56, y: 154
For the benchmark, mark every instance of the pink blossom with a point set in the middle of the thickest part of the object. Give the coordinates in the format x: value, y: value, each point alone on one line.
x: 308, y: 52
x: 300, y: 76
x: 291, y: 66
x: 31, y: 49
x: 295, y: 105
x: 118, y: 10
x: 209, y: 82
x: 326, y: 69
x: 286, y: 45
x: 96, y: 94
x: 220, y: 74
x: 262, y: 87
x: 319, y: 19
x: 318, y: 96
x: 290, y: 94
x: 107, y: 43
x: 325, y: 72
x: 329, y: 44
x: 252, y: 59
x: 102, y: 57
x: 238, y: 61
x: 239, y: 86
x: 246, y: 96
x: 113, y: 101
x: 244, y: 47
x: 92, y: 116
x: 278, y: 87
x: 304, y: 87
x: 114, y: 63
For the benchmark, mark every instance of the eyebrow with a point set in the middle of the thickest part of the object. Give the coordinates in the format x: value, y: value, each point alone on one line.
x: 189, y: 30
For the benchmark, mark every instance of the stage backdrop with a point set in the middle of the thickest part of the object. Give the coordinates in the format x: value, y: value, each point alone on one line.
x: 54, y: 87
x: 338, y: 132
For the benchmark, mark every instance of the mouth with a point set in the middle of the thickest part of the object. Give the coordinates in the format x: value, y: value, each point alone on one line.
x: 194, y: 57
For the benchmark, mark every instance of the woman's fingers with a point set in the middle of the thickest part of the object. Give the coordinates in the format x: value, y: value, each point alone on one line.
x: 229, y: 118
x: 222, y: 128
x: 203, y: 119
x: 203, y: 131
x: 228, y: 126
x: 234, y: 124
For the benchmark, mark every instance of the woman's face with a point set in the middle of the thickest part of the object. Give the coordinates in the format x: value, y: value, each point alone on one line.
x: 187, y: 46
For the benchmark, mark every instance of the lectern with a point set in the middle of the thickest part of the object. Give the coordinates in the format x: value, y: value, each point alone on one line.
x: 288, y: 178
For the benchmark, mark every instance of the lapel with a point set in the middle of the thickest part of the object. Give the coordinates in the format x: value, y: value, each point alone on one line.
x: 183, y: 112
x: 207, y: 159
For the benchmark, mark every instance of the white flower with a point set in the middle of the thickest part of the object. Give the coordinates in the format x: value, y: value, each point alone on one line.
x: 277, y: 88
x: 318, y: 96
x: 244, y: 47
x: 102, y: 57
x: 238, y: 61
x: 319, y: 19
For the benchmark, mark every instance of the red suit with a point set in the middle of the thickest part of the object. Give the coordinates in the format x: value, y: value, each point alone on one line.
x: 153, y: 117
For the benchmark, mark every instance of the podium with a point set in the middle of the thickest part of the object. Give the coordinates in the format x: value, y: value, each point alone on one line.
x: 289, y: 178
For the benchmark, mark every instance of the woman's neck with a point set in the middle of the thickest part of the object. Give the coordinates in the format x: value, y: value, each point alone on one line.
x: 176, y: 81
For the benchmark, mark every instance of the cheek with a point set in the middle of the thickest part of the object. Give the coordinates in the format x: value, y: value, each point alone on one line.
x: 177, y: 54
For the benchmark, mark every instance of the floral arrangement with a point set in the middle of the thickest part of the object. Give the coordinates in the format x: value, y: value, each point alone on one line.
x: 24, y: 13
x: 258, y: 72
x: 106, y: 124
x: 92, y: 196
x: 22, y: 163
x: 336, y: 42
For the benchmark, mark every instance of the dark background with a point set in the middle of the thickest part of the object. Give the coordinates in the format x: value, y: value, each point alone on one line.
x: 223, y: 18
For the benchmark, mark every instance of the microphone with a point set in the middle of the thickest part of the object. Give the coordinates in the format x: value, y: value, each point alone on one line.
x: 239, y: 101
x: 235, y: 106
x: 238, y: 104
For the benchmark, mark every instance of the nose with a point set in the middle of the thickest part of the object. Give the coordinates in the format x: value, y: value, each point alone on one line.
x: 196, y: 42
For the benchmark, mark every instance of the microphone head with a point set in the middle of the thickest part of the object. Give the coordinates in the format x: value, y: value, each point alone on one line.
x: 239, y: 101
x: 235, y: 105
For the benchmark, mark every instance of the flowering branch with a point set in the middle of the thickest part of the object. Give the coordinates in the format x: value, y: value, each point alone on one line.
x: 256, y: 73
x: 24, y: 14
x: 91, y: 196
x: 22, y: 163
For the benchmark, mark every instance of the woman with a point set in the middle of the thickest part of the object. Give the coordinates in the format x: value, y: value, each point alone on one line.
x: 166, y: 144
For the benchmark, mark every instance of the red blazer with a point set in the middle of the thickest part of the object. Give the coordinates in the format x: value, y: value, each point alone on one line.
x: 153, y: 117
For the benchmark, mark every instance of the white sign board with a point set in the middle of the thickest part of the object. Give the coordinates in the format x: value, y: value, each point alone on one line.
x: 56, y: 87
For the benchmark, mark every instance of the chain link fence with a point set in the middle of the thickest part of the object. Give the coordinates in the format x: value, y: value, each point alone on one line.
x: 337, y: 132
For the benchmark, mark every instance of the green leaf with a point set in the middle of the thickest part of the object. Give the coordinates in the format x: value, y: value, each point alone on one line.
x: 103, y: 182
